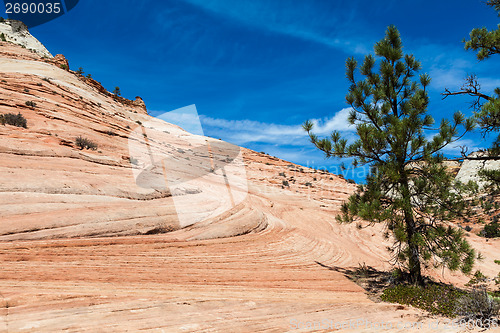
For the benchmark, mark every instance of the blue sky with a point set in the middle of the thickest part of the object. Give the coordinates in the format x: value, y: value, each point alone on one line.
x: 256, y: 69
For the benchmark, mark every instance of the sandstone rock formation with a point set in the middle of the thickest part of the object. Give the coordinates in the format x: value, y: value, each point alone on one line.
x: 470, y: 168
x: 61, y: 61
x: 16, y: 32
x: 158, y: 229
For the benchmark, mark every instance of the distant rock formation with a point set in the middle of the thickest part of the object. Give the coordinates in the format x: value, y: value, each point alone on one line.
x: 140, y: 103
x: 61, y: 61
x: 471, y: 166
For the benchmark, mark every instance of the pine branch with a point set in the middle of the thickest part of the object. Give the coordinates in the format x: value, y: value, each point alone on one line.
x: 472, y: 88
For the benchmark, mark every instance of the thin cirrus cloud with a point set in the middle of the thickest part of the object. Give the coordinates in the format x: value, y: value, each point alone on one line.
x: 308, y: 20
x: 243, y: 132
x: 456, y: 147
x: 449, y: 64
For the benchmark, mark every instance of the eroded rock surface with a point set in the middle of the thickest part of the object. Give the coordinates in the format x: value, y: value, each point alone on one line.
x: 16, y: 32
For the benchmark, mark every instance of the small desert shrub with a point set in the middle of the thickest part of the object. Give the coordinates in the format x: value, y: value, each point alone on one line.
x: 285, y: 183
x: 2, y: 37
x: 110, y: 133
x: 496, y: 261
x: 477, y: 279
x: 363, y: 271
x: 84, y: 143
x: 477, y: 306
x: 397, y: 275
x: 308, y: 184
x: 63, y: 66
x: 434, y: 298
x: 487, y: 206
x: 468, y: 228
x: 31, y: 104
x: 282, y: 174
x: 491, y: 230
x: 14, y: 120
x: 351, y: 181
x: 159, y: 230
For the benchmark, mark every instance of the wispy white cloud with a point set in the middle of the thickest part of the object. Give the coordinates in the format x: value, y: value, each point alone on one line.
x: 455, y: 148
x: 242, y: 132
x: 448, y: 65
x: 489, y: 84
x: 336, y: 123
x: 452, y: 77
x: 304, y: 20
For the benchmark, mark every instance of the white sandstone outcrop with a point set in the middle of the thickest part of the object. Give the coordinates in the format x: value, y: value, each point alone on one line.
x: 16, y: 32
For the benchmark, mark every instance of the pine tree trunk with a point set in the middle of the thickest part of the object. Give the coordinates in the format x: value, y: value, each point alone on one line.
x: 413, y: 249
x: 414, y: 255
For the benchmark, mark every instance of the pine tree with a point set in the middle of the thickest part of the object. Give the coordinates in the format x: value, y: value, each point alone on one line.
x: 408, y: 187
x: 485, y: 43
